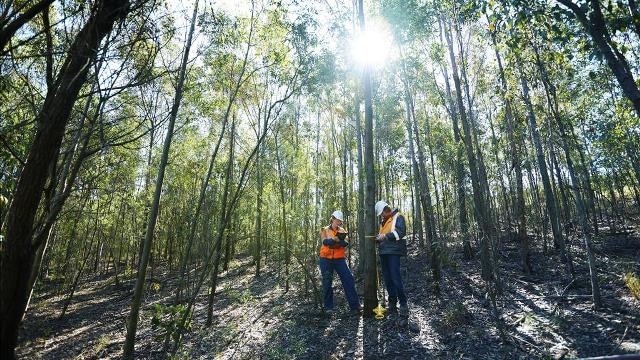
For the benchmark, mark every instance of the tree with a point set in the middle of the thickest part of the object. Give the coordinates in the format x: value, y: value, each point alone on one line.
x: 370, y: 269
x: 20, y: 248
x: 132, y: 323
x: 593, y: 21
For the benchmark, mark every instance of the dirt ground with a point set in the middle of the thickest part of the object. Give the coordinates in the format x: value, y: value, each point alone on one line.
x: 545, y: 315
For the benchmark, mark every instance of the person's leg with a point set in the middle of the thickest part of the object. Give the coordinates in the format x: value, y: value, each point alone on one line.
x: 348, y: 283
x: 326, y: 269
x: 388, y: 283
x: 396, y: 279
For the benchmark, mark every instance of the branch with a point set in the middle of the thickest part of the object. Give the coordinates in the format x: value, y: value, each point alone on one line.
x: 8, y: 31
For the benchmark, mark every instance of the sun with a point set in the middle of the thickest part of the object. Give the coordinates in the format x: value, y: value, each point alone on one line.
x: 372, y: 47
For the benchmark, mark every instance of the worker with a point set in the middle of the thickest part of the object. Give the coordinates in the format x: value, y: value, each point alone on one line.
x: 332, y: 258
x: 391, y: 246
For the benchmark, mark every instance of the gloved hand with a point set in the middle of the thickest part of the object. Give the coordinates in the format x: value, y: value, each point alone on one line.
x: 335, y: 243
x: 380, y: 238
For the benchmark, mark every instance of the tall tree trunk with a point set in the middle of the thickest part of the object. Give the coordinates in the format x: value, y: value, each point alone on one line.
x: 257, y: 256
x: 370, y: 267
x: 205, y: 183
x: 582, y: 214
x: 360, y: 217
x: 132, y: 323
x: 283, y: 224
x: 438, y: 214
x: 425, y: 193
x: 416, y: 175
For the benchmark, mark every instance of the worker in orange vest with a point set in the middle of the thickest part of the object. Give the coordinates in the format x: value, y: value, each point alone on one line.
x: 391, y: 246
x: 332, y: 258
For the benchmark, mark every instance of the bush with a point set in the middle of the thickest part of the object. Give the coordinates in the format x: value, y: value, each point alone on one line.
x: 633, y: 284
x: 167, y: 318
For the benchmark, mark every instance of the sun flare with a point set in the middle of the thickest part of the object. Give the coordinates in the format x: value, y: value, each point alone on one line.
x: 372, y: 47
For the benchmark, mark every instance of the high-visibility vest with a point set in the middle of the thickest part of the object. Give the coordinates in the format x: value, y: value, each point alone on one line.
x: 389, y: 226
x: 334, y: 251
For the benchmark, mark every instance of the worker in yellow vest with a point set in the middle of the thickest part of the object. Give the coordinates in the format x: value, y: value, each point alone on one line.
x: 391, y: 246
x: 332, y: 258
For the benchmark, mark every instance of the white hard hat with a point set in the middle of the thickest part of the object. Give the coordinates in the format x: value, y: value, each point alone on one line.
x: 338, y: 215
x: 380, y: 205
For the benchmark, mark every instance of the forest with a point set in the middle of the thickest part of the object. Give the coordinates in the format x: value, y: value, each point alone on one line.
x: 181, y: 179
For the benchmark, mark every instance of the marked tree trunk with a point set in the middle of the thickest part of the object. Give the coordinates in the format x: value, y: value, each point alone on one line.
x: 370, y: 266
x: 360, y: 218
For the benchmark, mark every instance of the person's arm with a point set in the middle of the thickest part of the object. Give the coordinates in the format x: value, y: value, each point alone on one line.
x: 399, y: 231
x: 401, y: 227
x: 343, y: 243
x: 325, y: 239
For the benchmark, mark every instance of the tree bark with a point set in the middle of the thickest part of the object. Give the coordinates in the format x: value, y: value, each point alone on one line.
x: 370, y: 267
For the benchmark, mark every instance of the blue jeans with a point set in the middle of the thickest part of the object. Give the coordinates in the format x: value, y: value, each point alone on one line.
x: 327, y: 266
x: 390, y: 265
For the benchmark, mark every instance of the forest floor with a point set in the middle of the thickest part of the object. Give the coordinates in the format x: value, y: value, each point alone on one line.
x: 541, y: 316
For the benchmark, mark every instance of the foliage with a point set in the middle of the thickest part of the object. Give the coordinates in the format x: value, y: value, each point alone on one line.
x: 166, y: 321
x: 633, y: 284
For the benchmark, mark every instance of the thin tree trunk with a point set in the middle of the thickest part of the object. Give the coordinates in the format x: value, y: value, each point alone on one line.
x: 546, y: 183
x: 484, y: 224
x: 582, y: 213
x: 132, y: 323
x: 425, y: 193
x: 460, y: 173
x: 221, y: 226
